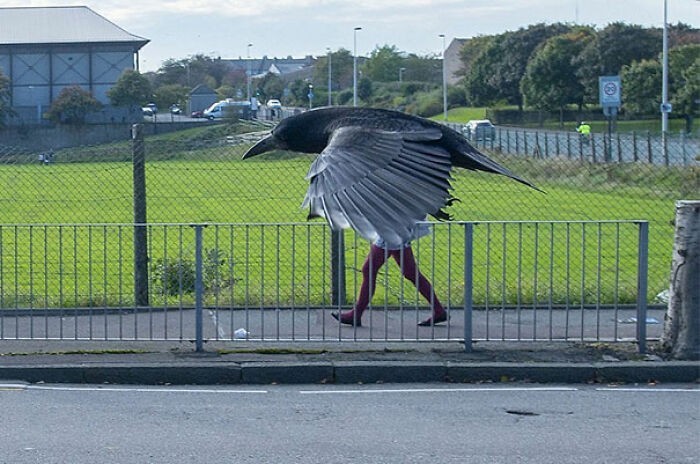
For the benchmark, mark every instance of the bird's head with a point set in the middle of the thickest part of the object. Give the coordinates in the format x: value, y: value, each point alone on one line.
x: 307, y: 132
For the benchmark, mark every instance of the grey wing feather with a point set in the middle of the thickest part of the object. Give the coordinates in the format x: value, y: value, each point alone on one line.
x: 379, y: 183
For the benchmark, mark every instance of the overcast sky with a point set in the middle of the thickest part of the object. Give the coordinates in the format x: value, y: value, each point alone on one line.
x: 279, y: 28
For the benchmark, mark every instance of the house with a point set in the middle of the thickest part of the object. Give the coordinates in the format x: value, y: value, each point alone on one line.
x: 453, y: 62
x: 286, y: 68
x: 45, y: 49
x: 200, y: 98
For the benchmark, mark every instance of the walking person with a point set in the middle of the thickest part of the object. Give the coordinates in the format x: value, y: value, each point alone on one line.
x: 403, y: 255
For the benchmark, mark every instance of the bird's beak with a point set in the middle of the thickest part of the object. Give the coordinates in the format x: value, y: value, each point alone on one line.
x: 263, y: 146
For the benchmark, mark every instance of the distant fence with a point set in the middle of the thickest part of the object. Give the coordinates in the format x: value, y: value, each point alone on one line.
x: 633, y: 147
x: 273, y: 282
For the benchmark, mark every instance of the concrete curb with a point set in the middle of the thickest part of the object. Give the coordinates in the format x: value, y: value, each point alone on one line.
x: 351, y: 372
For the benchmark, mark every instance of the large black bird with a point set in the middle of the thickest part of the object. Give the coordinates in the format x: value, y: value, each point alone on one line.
x: 379, y: 171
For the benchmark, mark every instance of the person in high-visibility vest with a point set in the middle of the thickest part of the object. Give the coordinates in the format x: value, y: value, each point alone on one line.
x: 584, y: 128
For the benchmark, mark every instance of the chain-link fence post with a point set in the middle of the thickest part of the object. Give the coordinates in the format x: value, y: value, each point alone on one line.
x: 140, y: 228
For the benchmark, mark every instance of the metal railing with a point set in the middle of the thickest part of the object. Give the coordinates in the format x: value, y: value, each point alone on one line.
x: 569, y: 281
x: 631, y: 147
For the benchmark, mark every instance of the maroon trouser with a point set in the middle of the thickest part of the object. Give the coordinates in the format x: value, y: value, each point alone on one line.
x: 370, y: 269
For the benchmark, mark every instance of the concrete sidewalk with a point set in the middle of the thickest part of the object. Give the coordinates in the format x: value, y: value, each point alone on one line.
x: 177, y: 363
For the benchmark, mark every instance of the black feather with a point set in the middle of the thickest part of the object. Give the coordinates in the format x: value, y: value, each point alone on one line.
x: 379, y: 171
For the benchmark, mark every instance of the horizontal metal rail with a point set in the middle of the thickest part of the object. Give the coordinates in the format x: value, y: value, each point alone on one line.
x: 499, y: 281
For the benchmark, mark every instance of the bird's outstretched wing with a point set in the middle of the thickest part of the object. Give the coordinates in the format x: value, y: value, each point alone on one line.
x: 379, y: 183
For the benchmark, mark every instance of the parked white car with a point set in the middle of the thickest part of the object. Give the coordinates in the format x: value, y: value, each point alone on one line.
x: 479, y: 129
x: 274, y: 104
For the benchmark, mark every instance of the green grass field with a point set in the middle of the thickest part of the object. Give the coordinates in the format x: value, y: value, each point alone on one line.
x: 188, y: 182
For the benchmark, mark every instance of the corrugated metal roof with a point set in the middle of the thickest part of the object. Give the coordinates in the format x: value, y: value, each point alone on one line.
x: 54, y: 25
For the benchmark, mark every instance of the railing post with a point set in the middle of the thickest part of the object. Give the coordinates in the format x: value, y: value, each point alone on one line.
x: 140, y: 219
x: 198, y: 288
x: 468, y: 283
x: 642, y: 276
x: 337, y: 268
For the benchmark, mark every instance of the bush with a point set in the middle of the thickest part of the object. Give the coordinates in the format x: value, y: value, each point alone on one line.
x: 72, y: 106
x: 176, y: 276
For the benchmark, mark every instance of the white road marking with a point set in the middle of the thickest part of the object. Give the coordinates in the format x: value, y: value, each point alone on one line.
x: 649, y: 389
x: 12, y: 386
x: 139, y: 389
x: 439, y: 390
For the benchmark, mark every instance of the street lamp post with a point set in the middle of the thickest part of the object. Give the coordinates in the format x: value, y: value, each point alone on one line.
x: 249, y: 71
x: 401, y: 70
x: 665, y: 105
x: 444, y: 79
x: 354, y: 66
x: 664, y: 72
x: 330, y: 82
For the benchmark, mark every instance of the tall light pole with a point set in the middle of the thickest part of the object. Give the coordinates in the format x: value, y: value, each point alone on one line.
x: 444, y: 79
x: 664, y: 75
x: 249, y: 71
x: 330, y: 73
x: 354, y: 65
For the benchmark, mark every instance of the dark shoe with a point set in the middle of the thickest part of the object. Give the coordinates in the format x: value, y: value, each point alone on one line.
x: 430, y: 321
x: 347, y: 318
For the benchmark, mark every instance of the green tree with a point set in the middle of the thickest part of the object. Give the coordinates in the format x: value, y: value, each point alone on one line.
x: 480, y: 86
x: 641, y: 87
x: 269, y: 86
x: 189, y: 72
x: 616, y: 45
x: 341, y: 70
x: 5, y: 109
x: 131, y: 89
x: 170, y: 94
x: 72, y: 106
x: 419, y: 68
x: 500, y: 64
x: 550, y: 80
x: 684, y: 71
x: 383, y: 64
x: 364, y: 89
x: 471, y: 50
x: 517, y: 49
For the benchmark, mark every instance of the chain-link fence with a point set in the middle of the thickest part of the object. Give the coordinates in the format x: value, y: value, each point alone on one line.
x: 198, y: 176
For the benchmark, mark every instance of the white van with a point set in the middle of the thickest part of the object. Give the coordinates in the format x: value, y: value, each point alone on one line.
x: 228, y: 108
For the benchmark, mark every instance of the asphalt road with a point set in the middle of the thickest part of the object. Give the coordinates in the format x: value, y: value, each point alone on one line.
x: 339, y: 424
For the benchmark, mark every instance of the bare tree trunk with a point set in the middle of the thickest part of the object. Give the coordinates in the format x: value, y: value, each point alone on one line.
x: 681, y: 335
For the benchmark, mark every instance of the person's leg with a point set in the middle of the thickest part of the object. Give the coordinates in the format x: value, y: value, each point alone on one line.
x: 370, y: 269
x: 407, y: 262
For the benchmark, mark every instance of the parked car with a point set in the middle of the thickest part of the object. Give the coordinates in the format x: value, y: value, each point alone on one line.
x: 153, y: 107
x: 274, y: 104
x: 197, y: 114
x: 479, y: 129
x: 175, y: 109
